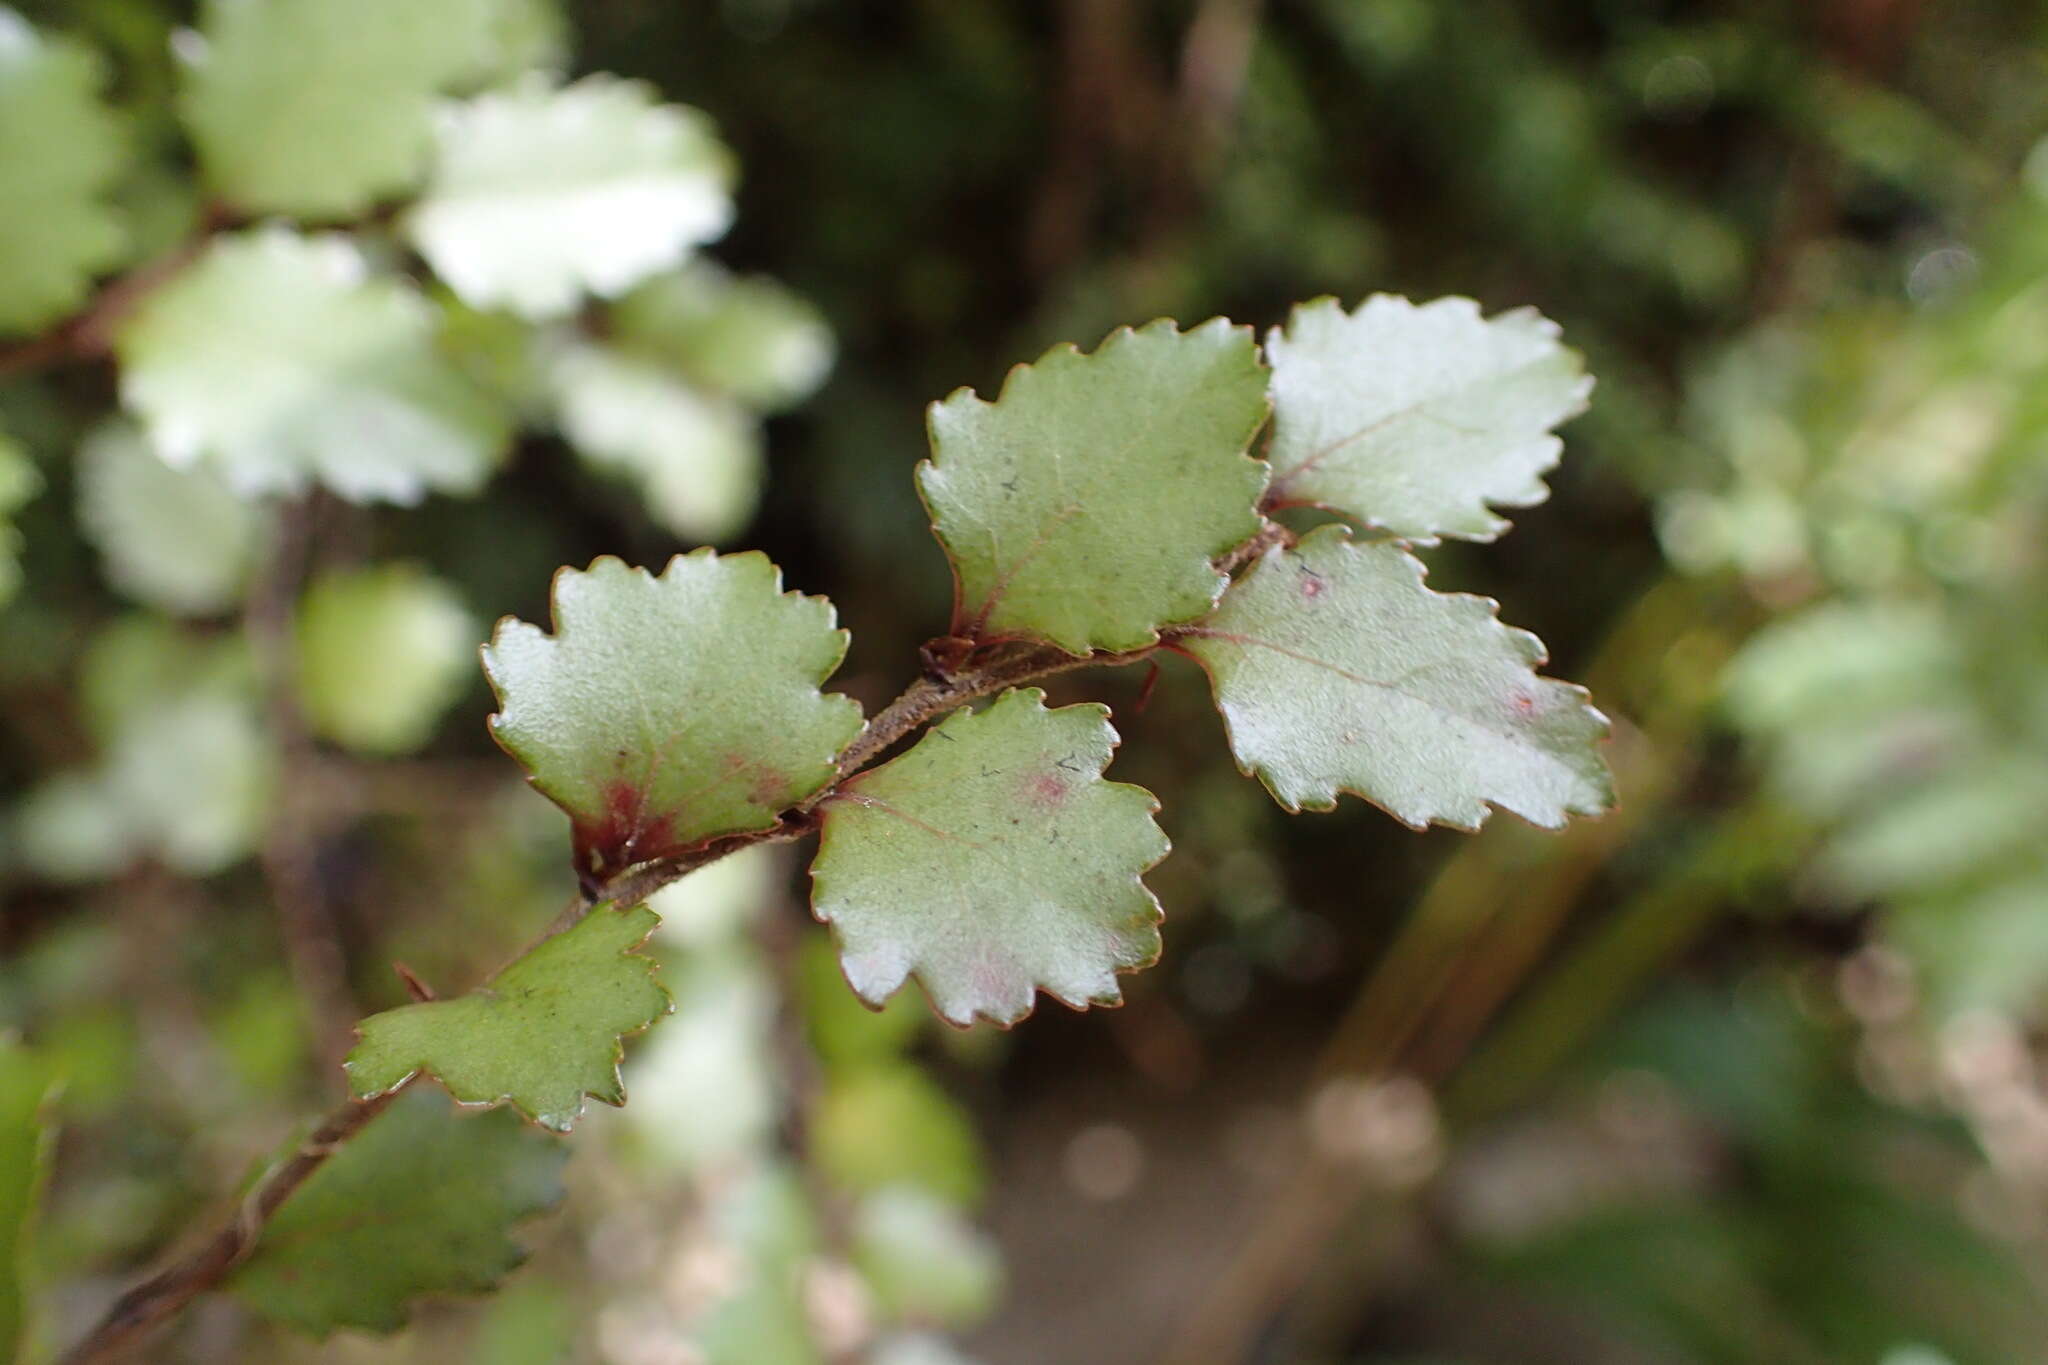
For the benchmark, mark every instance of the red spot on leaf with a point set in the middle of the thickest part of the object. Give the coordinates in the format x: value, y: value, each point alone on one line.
x: 1312, y: 586
x: 770, y: 788
x: 1523, y: 702
x: 622, y: 835
x: 1046, y: 790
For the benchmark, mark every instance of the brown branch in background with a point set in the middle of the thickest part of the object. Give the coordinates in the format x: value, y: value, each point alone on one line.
x: 290, y: 854
x: 89, y: 333
x: 1215, y: 58
x: 137, y: 1313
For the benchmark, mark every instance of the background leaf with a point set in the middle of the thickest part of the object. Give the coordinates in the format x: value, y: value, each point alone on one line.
x: 1083, y: 506
x: 60, y: 152
x: 27, y: 1132
x: 320, y: 110
x: 1337, y: 671
x: 540, y: 195
x: 421, y: 1202
x: 19, y: 482
x: 668, y: 710
x: 1415, y: 417
x: 543, y: 1034
x: 280, y: 361
x: 178, y: 539
x: 750, y: 338
x: 382, y: 652
x: 991, y: 862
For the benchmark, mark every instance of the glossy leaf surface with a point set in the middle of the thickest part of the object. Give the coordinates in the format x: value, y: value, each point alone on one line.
x: 668, y: 710
x: 1416, y: 417
x: 1337, y: 671
x: 993, y: 861
x: 543, y: 1034
x: 1085, y: 504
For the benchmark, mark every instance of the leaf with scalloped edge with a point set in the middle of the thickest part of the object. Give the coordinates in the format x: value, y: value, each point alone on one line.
x: 280, y: 360
x: 667, y: 711
x: 420, y: 1202
x: 60, y: 152
x: 1084, y: 505
x: 1413, y: 417
x: 540, y: 195
x: 318, y: 109
x: 542, y: 1034
x: 1336, y: 670
x: 993, y: 861
x: 178, y: 539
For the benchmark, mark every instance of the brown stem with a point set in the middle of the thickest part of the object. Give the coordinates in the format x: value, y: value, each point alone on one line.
x: 89, y: 333
x: 163, y: 1295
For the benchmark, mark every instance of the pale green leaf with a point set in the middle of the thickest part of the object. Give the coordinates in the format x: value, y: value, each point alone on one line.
x: 60, y: 151
x: 421, y: 1202
x: 668, y: 710
x: 542, y: 1034
x: 1942, y: 829
x: 178, y: 539
x: 318, y: 109
x: 696, y: 457
x: 185, y: 771
x: 993, y: 861
x: 764, y: 1221
x: 1416, y: 417
x: 382, y: 652
x: 18, y: 483
x: 27, y: 1131
x: 279, y: 361
x: 917, y: 1348
x: 749, y: 338
x: 1085, y: 504
x: 1337, y: 671
x: 704, y: 1085
x: 923, y: 1261
x: 886, y: 1126
x: 540, y: 195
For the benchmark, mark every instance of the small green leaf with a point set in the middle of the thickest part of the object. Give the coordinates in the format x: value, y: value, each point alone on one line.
x: 60, y: 150
x: 26, y: 1134
x: 178, y: 539
x: 1415, y: 418
x: 543, y: 1034
x: 18, y: 483
x: 1337, y: 671
x: 696, y: 456
x: 382, y: 652
x: 667, y: 711
x: 888, y: 1126
x: 1085, y: 504
x: 923, y: 1261
x: 751, y: 339
x: 279, y: 361
x: 321, y: 110
x: 539, y: 195
x: 992, y: 861
x: 420, y: 1202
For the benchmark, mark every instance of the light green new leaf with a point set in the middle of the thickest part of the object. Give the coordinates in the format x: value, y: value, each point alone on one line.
x: 178, y: 539
x: 889, y: 1126
x: 60, y: 151
x: 666, y: 711
x: 539, y: 195
x: 382, y: 652
x: 1337, y: 671
x: 18, y: 483
x: 420, y: 1202
x: 279, y: 361
x: 697, y: 457
x: 751, y: 339
x: 26, y: 1132
x: 993, y: 861
x: 1085, y: 504
x: 320, y: 110
x: 1415, y: 417
x: 544, y: 1033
